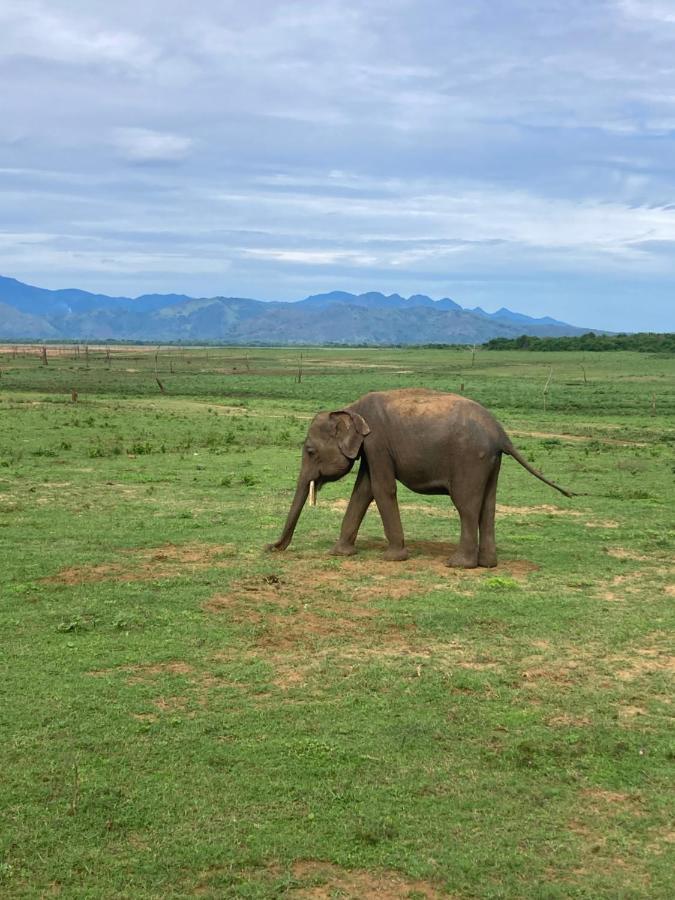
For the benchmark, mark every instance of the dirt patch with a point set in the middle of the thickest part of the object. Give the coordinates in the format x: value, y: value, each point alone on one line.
x: 171, y: 704
x: 429, y: 509
x: 304, y: 603
x: 577, y: 438
x: 447, y: 510
x: 430, y: 556
x: 637, y: 582
x: 328, y: 881
x: 288, y: 611
x: 649, y: 661
x: 568, y: 721
x: 606, y: 523
x: 562, y: 674
x: 625, y: 553
x: 628, y: 714
x: 546, y: 508
x: 148, y: 672
x: 148, y: 564
x: 601, y: 797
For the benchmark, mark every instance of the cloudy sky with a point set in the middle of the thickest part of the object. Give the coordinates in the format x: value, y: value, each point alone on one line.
x: 500, y: 152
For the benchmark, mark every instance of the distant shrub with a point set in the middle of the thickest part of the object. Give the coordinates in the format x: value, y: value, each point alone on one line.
x: 139, y: 448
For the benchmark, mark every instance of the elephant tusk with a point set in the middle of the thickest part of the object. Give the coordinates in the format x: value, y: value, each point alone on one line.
x: 312, y: 493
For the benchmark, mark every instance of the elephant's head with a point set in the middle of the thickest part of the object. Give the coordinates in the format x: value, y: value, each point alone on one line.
x: 332, y: 444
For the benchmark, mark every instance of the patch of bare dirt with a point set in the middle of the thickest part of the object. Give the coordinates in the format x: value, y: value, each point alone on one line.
x: 429, y: 509
x: 625, y: 553
x: 577, y: 438
x: 328, y: 881
x: 547, y: 508
x: 602, y: 523
x: 148, y: 564
x: 447, y: 510
x: 622, y: 587
x: 171, y: 704
x: 304, y: 603
x: 563, y: 673
x: 600, y: 797
x: 647, y: 661
x: 430, y: 556
x: 568, y: 721
x: 145, y: 717
x: 627, y: 713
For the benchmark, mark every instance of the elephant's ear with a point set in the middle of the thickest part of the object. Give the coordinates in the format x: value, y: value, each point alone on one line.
x: 350, y: 430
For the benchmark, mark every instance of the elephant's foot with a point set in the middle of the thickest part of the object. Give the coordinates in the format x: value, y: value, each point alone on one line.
x: 461, y: 560
x: 487, y: 559
x: 340, y: 549
x: 275, y: 548
x: 395, y: 554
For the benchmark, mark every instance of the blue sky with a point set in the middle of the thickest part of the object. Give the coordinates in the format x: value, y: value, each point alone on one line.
x: 500, y: 153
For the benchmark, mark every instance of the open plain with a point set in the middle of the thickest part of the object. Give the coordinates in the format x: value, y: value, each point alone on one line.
x: 185, y: 715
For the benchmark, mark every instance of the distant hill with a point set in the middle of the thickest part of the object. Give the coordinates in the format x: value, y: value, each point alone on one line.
x: 33, y: 313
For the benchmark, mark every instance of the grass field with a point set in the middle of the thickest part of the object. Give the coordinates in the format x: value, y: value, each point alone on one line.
x: 185, y: 715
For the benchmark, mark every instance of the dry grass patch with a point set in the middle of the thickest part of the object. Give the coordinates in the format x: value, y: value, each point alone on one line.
x: 567, y: 720
x: 308, y: 614
x: 605, y: 830
x: 546, y: 508
x: 577, y: 438
x: 148, y: 671
x: 626, y: 553
x: 430, y: 557
x: 148, y: 564
x: 647, y: 662
x: 327, y: 881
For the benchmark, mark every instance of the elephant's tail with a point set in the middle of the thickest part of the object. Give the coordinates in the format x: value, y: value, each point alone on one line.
x: 510, y: 450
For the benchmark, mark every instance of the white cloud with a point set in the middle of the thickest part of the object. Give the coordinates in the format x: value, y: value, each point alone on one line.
x: 646, y: 10
x: 143, y: 145
x: 34, y: 29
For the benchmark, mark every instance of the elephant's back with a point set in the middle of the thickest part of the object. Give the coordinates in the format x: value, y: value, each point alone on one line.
x: 422, y: 405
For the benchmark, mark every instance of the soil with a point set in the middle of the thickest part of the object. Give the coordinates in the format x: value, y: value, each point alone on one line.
x: 358, y: 884
x: 148, y: 564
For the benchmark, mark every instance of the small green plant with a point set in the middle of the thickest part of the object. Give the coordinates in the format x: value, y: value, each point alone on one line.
x: 501, y: 583
x: 79, y: 623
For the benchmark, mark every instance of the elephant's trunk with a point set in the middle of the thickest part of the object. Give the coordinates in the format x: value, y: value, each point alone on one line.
x: 305, y: 487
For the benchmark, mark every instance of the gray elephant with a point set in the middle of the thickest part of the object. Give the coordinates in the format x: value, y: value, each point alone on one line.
x: 433, y: 443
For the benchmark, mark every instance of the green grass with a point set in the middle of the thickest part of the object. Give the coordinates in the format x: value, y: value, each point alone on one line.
x: 184, y: 715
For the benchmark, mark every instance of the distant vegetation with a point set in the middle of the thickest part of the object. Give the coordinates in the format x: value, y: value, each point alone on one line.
x: 645, y: 342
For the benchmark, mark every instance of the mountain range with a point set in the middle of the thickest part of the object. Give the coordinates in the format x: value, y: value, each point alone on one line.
x: 33, y: 313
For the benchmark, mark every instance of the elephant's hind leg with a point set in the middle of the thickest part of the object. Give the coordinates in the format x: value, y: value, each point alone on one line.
x: 360, y: 500
x: 467, y: 490
x: 487, y: 548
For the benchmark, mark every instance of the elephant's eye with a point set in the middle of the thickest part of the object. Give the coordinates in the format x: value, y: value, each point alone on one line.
x: 310, y: 450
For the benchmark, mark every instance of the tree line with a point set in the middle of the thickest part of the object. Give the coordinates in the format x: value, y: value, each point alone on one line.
x: 644, y: 342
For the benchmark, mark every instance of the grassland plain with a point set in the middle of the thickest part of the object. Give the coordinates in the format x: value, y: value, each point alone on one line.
x: 184, y: 715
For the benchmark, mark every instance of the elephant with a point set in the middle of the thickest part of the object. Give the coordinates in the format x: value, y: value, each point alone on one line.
x: 433, y: 443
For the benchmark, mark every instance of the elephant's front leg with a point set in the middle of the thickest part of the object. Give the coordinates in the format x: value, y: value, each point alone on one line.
x: 360, y: 500
x: 384, y: 490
